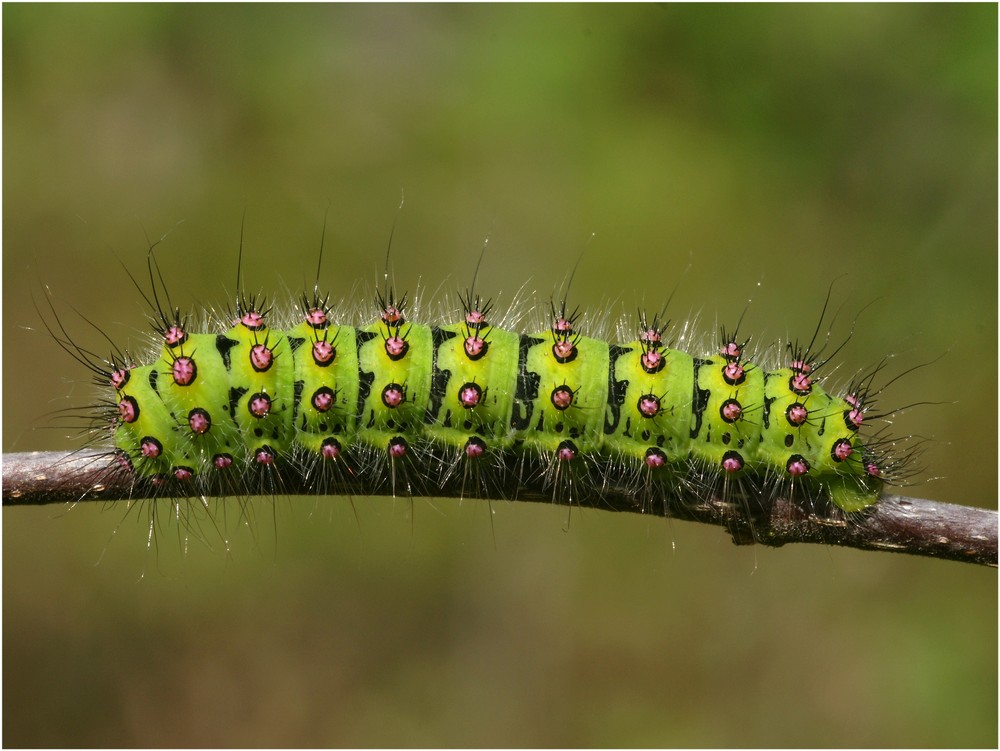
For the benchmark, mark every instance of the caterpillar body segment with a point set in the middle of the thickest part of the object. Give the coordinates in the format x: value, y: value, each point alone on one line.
x: 259, y: 364
x: 459, y: 401
x: 473, y: 389
x: 649, y: 415
x: 325, y: 358
x: 562, y: 395
x: 395, y: 377
x: 142, y: 416
x: 192, y: 382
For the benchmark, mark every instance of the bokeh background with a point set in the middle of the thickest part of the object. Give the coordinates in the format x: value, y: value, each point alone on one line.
x: 722, y: 152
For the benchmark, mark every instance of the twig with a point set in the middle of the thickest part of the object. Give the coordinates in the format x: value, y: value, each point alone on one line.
x: 896, y: 523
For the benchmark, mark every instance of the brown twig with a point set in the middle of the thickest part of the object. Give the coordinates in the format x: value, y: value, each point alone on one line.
x: 896, y: 523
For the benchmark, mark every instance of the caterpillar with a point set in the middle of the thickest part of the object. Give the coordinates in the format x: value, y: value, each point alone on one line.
x: 393, y: 404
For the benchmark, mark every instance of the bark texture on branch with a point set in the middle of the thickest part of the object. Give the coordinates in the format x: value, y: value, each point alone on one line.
x: 896, y: 523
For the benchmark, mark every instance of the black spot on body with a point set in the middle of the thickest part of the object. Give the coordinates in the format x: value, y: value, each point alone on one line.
x: 768, y: 401
x: 616, y: 390
x: 439, y: 376
x: 235, y: 394
x: 526, y: 391
x: 699, y: 398
x: 297, y: 388
x: 365, y: 378
x: 225, y: 345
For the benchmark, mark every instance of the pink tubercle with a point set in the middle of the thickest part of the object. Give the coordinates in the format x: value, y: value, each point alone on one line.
x: 731, y: 351
x: 655, y: 459
x: 475, y: 448
x: 128, y: 409
x: 652, y: 361
x: 322, y: 400
x: 796, y: 414
x: 731, y: 410
x: 732, y: 462
x: 323, y: 353
x: 650, y: 336
x: 119, y: 377
x: 470, y: 395
x: 566, y: 452
x: 222, y: 461
x: 264, y: 455
x: 733, y: 373
x: 261, y: 357
x: 259, y: 405
x: 252, y: 320
x: 562, y: 326
x: 317, y: 318
x: 797, y: 466
x: 649, y: 405
x: 398, y: 448
x: 475, y: 347
x: 174, y: 335
x: 393, y: 395
x: 562, y: 397
x: 396, y: 347
x: 150, y: 447
x: 842, y: 450
x: 392, y: 315
x: 563, y: 349
x: 854, y: 418
x: 199, y: 421
x: 184, y: 371
x: 800, y: 383
x: 330, y: 449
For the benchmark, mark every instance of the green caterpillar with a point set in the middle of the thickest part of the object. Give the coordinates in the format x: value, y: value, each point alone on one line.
x: 405, y: 404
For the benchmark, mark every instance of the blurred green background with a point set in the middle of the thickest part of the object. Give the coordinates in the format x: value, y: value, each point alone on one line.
x: 725, y: 152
